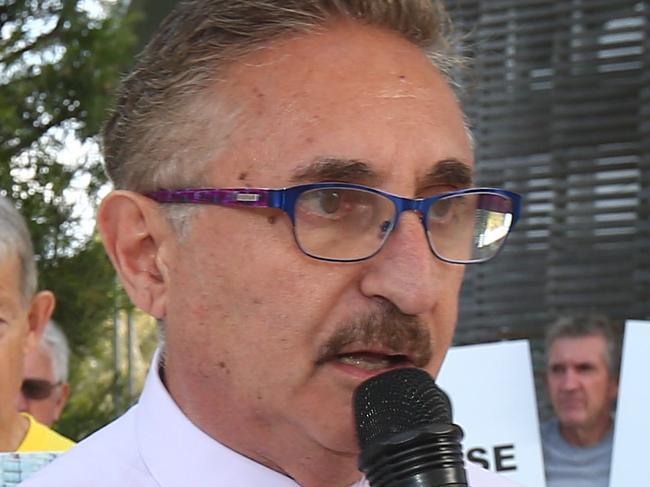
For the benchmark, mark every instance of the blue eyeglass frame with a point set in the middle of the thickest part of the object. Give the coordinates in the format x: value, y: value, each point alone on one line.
x: 285, y: 199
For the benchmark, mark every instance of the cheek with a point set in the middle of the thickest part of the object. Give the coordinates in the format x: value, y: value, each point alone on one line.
x: 601, y: 389
x: 249, y: 295
x: 553, y: 388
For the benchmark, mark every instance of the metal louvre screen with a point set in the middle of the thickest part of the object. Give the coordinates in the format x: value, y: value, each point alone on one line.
x: 558, y: 96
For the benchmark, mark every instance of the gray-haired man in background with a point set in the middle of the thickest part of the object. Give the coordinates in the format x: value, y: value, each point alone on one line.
x: 24, y: 312
x: 257, y: 151
x: 45, y: 388
x: 582, y: 370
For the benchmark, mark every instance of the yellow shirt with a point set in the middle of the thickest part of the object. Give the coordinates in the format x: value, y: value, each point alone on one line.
x: 41, y: 438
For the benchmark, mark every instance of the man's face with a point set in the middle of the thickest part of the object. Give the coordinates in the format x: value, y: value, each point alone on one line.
x: 580, y: 385
x: 14, y: 335
x: 265, y: 345
x: 39, y: 367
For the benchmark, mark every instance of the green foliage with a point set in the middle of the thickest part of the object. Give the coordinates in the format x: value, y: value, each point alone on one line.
x: 60, y: 61
x: 98, y: 396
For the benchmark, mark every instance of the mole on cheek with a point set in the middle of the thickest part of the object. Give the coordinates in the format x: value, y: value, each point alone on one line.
x: 271, y: 220
x: 224, y: 367
x: 243, y: 176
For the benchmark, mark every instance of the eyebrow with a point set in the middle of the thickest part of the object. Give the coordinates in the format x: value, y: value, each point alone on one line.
x: 448, y: 172
x: 335, y: 169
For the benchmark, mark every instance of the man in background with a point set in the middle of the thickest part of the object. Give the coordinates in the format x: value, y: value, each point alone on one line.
x: 45, y: 388
x: 257, y: 150
x: 582, y: 369
x: 23, y: 316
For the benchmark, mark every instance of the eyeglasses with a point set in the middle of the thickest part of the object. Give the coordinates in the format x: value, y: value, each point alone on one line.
x: 341, y: 222
x: 38, y: 389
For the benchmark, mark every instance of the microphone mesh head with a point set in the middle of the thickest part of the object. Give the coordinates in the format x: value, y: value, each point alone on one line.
x: 396, y: 401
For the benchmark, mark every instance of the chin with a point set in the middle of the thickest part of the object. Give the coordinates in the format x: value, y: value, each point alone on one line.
x: 335, y: 432
x: 572, y: 421
x: 338, y: 437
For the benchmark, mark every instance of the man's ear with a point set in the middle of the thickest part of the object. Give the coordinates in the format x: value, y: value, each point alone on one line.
x: 136, y: 236
x: 40, y: 311
x: 614, y: 383
x: 64, y: 392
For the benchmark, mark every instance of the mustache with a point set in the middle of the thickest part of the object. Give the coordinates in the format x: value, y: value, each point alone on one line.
x: 386, y: 327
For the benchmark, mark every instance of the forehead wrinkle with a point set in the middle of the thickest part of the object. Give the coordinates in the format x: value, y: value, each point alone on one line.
x: 407, y: 90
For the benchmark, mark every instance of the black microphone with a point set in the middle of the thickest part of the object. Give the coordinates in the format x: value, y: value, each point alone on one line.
x: 405, y: 432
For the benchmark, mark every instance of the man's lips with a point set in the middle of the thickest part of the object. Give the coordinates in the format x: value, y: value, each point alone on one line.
x: 571, y: 402
x: 370, y: 358
x: 373, y: 361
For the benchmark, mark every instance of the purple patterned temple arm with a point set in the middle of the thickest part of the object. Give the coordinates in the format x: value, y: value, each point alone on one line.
x: 247, y: 197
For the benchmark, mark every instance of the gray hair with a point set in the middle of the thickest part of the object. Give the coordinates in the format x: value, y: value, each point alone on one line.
x: 160, y: 132
x: 16, y: 241
x: 584, y: 325
x: 55, y: 342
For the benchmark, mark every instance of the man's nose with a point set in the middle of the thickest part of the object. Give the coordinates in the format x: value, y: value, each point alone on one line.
x: 569, y: 380
x: 407, y: 273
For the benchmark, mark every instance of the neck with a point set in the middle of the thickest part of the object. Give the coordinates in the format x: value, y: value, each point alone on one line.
x: 586, y: 436
x: 277, y: 444
x: 13, y: 429
x: 331, y: 469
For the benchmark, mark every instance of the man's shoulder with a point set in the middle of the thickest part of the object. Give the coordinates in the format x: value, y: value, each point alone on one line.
x: 41, y: 438
x: 108, y: 457
x: 549, y: 428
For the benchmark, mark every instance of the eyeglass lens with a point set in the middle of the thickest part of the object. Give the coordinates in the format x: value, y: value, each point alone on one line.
x: 37, y: 388
x: 342, y: 223
x: 352, y: 224
x: 469, y: 227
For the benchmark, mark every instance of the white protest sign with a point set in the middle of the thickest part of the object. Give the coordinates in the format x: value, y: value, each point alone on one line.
x: 493, y: 395
x: 632, y: 429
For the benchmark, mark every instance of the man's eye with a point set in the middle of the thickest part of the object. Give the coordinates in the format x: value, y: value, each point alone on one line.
x: 330, y: 201
x: 586, y: 368
x: 441, y: 209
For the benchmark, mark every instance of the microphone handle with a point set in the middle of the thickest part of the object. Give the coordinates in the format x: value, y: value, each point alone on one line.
x: 429, y: 456
x: 436, y: 478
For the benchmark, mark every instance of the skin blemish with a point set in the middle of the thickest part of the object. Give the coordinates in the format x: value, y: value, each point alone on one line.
x: 271, y: 220
x: 243, y: 176
x: 309, y: 140
x: 402, y: 77
x: 224, y: 367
